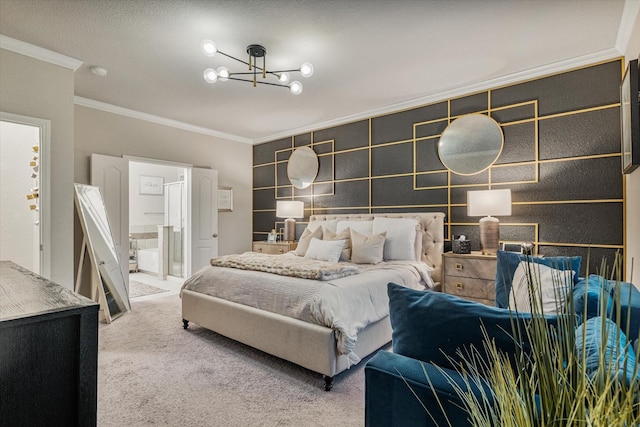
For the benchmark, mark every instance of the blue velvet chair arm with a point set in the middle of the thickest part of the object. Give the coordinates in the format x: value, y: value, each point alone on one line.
x: 628, y: 299
x: 390, y: 401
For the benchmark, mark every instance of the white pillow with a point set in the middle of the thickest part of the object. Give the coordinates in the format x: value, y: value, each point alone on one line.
x: 367, y: 248
x: 363, y: 227
x: 304, y: 241
x: 548, y: 283
x: 325, y: 250
x: 400, y: 242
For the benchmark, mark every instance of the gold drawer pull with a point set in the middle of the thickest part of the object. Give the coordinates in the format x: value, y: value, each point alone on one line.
x: 459, y: 266
x: 459, y: 286
x: 259, y: 250
x: 280, y: 250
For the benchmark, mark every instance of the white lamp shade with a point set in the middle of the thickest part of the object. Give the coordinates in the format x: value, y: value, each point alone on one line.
x: 489, y: 203
x: 289, y: 209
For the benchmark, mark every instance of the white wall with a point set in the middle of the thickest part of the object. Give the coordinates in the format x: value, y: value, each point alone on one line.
x: 19, y: 236
x: 34, y: 88
x: 632, y: 51
x: 145, y: 209
x: 106, y: 133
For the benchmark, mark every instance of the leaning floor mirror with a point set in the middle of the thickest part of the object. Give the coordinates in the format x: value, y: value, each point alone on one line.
x: 107, y: 281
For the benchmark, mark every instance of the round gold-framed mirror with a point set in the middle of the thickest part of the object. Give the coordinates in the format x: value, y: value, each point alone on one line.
x: 470, y: 144
x: 302, y: 168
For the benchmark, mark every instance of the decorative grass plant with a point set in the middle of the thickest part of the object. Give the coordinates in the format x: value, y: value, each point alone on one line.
x: 551, y: 385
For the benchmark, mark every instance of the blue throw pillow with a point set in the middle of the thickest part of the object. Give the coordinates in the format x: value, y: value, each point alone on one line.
x: 507, y: 262
x: 588, y: 294
x: 431, y: 326
x: 619, y: 359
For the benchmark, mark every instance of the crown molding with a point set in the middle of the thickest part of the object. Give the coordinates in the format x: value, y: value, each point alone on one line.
x: 110, y: 108
x: 38, y: 52
x: 545, y: 70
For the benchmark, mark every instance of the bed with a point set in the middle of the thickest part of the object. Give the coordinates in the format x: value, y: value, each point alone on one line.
x: 316, y: 347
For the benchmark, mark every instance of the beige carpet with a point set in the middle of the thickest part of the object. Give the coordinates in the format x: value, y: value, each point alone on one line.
x: 153, y: 372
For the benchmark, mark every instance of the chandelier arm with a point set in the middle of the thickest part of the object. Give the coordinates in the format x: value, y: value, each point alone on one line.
x: 234, y: 58
x: 273, y: 73
x: 257, y: 82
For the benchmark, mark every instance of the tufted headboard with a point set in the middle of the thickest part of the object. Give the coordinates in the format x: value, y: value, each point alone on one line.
x: 432, y: 238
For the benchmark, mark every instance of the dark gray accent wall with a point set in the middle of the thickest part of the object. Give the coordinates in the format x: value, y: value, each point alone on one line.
x: 561, y: 160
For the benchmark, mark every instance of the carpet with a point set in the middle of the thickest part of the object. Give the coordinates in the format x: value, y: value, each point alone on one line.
x: 153, y: 372
x: 139, y: 289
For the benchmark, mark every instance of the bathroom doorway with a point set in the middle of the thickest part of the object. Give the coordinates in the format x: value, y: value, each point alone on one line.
x: 157, y: 219
x: 24, y: 220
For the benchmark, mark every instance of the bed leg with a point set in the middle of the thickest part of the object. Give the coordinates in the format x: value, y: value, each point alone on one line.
x: 328, y: 382
x: 185, y: 323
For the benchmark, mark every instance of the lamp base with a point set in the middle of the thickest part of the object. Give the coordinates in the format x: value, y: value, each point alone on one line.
x: 489, y: 235
x: 289, y: 230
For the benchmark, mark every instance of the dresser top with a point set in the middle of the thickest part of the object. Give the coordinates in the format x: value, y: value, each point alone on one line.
x: 24, y: 293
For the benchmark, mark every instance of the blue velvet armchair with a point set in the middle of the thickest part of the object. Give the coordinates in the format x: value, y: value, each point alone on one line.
x: 428, y: 329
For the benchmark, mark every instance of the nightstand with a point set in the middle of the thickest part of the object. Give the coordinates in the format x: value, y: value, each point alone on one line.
x: 470, y: 276
x: 273, y: 248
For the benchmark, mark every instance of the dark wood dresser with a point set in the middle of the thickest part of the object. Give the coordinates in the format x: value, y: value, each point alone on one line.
x: 48, y: 352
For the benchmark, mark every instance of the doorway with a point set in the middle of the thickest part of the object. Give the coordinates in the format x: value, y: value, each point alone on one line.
x: 157, y: 219
x: 111, y: 175
x: 24, y: 144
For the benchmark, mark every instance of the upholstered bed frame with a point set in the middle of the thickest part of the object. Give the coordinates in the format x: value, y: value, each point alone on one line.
x: 308, y: 345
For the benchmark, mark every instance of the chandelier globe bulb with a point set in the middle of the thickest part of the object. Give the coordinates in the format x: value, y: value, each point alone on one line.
x: 295, y: 88
x: 306, y: 69
x: 208, y: 47
x: 210, y: 75
x: 284, y: 78
x: 223, y: 74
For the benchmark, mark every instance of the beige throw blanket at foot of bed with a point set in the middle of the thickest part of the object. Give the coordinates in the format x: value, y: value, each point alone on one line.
x: 285, y: 265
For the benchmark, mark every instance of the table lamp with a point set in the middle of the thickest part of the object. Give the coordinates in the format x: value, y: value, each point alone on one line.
x: 489, y: 202
x: 289, y: 209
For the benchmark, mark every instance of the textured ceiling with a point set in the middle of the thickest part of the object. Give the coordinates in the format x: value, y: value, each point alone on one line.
x: 369, y: 55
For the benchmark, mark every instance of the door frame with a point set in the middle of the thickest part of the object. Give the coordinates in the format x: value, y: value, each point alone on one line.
x: 44, y: 186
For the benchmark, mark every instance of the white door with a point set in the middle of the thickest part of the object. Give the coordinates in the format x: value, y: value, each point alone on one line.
x: 203, y: 192
x: 111, y: 175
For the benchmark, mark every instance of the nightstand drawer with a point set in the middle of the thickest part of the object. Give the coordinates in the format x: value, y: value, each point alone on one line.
x: 273, y: 248
x: 470, y: 267
x: 470, y: 276
x: 468, y: 288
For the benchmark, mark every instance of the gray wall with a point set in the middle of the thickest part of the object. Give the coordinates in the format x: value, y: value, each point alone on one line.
x: 633, y: 183
x: 34, y: 88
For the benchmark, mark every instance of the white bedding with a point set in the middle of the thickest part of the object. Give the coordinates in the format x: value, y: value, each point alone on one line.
x: 346, y: 305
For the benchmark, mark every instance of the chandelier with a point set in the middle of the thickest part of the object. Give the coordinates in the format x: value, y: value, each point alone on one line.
x: 255, y: 74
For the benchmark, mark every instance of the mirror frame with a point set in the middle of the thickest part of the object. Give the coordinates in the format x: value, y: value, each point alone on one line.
x: 106, y: 276
x: 302, y: 167
x: 468, y: 139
